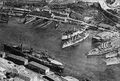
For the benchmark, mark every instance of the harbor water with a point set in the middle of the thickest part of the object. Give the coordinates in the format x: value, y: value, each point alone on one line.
x: 76, y: 62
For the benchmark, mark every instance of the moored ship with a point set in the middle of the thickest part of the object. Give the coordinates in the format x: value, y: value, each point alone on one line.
x: 33, y: 55
x: 105, y: 36
x: 74, y: 40
x: 69, y: 34
x: 111, y: 54
x: 104, y: 48
x: 113, y: 60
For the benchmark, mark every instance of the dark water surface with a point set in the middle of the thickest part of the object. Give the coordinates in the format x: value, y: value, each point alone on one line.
x: 74, y: 58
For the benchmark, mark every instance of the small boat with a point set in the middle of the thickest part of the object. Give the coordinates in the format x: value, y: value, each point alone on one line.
x: 40, y: 22
x: 75, y: 39
x: 113, y: 60
x: 47, y: 24
x: 105, y: 36
x: 69, y: 34
x: 29, y: 20
x: 104, y: 48
x: 44, y: 25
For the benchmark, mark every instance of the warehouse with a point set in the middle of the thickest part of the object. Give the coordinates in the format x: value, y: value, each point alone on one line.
x: 16, y: 59
x: 38, y: 67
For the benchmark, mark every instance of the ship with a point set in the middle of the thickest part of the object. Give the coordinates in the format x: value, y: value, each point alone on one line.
x: 111, y: 54
x: 29, y: 20
x: 46, y: 60
x: 113, y: 60
x: 105, y: 36
x: 104, y: 48
x: 38, y: 56
x: 68, y: 34
x: 75, y: 39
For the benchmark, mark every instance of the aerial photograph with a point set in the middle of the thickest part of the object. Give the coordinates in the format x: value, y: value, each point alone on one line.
x: 59, y: 40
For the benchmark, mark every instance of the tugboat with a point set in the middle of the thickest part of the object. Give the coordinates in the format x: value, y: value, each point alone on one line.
x: 105, y: 36
x: 104, y: 48
x: 40, y: 57
x: 74, y: 40
x: 69, y: 34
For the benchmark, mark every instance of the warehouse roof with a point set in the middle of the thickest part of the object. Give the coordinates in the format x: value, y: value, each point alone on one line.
x: 38, y: 65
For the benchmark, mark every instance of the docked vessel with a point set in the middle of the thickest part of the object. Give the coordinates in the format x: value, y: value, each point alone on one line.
x: 113, y: 60
x: 105, y: 36
x: 44, y: 25
x: 111, y: 54
x: 69, y: 34
x: 32, y: 55
x: 104, y: 48
x: 29, y: 20
x: 46, y: 60
x: 75, y: 39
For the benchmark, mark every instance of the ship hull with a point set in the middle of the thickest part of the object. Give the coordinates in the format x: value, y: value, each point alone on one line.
x: 112, y: 61
x: 75, y: 33
x: 75, y: 43
x: 69, y: 36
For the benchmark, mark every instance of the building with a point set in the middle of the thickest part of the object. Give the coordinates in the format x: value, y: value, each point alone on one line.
x: 38, y: 67
x: 17, y: 59
x: 13, y: 50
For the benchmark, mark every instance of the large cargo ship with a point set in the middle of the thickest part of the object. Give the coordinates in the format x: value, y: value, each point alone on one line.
x: 74, y: 40
x: 69, y: 34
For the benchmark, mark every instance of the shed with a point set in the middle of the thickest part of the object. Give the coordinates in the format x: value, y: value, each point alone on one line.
x: 38, y: 67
